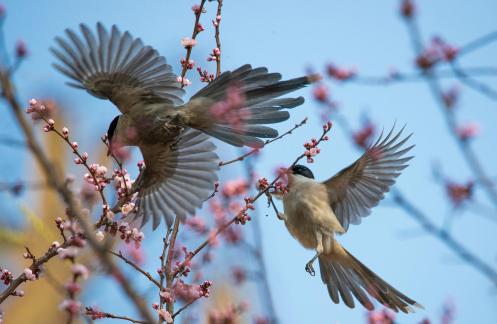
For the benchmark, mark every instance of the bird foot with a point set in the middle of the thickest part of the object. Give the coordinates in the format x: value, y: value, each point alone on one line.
x: 310, y: 269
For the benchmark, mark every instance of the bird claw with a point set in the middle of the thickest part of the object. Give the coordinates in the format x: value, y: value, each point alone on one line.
x: 310, y: 269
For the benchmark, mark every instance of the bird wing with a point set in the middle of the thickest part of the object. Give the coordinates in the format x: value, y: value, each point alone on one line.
x: 117, y: 67
x: 259, y: 103
x: 177, y: 178
x: 353, y: 191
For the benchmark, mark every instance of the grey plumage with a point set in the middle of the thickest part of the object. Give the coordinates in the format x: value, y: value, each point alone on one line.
x: 314, y: 212
x: 180, y: 162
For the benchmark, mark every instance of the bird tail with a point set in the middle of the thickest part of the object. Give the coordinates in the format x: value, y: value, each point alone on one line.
x: 345, y: 276
x: 235, y: 106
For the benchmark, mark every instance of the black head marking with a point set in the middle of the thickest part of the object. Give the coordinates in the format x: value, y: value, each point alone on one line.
x: 112, y: 128
x: 303, y: 171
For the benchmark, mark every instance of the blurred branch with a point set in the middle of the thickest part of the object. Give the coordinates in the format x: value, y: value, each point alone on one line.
x: 465, y: 254
x: 136, y: 267
x: 169, y: 261
x: 435, y: 88
x: 470, y: 82
x: 478, y: 43
x: 94, y: 314
x: 56, y: 180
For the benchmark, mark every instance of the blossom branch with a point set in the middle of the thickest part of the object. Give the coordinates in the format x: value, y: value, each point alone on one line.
x: 197, y: 28
x: 216, y: 23
x: 56, y: 180
x: 252, y: 151
x: 465, y: 147
x: 239, y: 216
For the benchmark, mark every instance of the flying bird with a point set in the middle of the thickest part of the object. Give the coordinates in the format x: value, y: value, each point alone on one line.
x: 314, y: 212
x: 174, y: 137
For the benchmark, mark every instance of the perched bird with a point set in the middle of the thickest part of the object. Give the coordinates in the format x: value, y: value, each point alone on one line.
x: 180, y: 162
x: 315, y: 211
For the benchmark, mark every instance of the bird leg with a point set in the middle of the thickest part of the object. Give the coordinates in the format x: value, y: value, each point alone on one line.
x: 319, y: 249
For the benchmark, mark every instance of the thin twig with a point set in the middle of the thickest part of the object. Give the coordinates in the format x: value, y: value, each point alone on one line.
x: 252, y: 151
x: 137, y: 267
x: 218, y: 39
x: 169, y: 261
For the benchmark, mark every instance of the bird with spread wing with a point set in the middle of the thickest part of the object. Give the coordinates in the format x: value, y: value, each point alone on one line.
x: 180, y: 161
x: 315, y: 211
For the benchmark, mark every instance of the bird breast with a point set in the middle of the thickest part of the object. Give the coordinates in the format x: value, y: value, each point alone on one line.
x: 307, y: 211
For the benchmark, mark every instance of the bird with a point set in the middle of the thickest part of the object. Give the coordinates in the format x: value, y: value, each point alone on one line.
x: 315, y: 212
x: 174, y: 137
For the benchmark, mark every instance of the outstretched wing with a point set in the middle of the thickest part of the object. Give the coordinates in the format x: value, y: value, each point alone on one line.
x: 177, y: 179
x: 356, y: 189
x: 117, y: 67
x: 255, y: 96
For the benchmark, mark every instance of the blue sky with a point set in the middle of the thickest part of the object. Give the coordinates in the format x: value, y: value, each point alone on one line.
x: 287, y: 37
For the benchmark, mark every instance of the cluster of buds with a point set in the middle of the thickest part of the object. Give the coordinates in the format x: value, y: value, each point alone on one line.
x: 79, y: 270
x: 127, y: 208
x: 97, y: 176
x: 216, y: 21
x: 204, y: 288
x: 188, y: 65
x: 205, y: 76
x: 167, y: 296
x: 468, y: 131
x: 243, y: 217
x: 130, y: 234
x: 363, y: 136
x: 438, y: 51
x: 40, y: 110
x: 281, y: 187
x: 30, y: 275
x: 122, y: 182
x: 262, y: 184
x: 229, y: 110
x: 215, y: 55
x: 6, y: 276
x: 163, y: 314
x: 184, y: 267
x: 311, y: 150
x: 339, y: 73
x: 183, y: 81
x: 459, y: 193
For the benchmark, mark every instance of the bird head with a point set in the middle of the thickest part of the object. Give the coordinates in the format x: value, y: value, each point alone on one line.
x: 302, y: 170
x: 111, y: 132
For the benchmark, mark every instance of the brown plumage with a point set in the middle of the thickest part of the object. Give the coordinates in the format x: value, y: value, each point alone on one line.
x: 314, y: 212
x: 181, y: 165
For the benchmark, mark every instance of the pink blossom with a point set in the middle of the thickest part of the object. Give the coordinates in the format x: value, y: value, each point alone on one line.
x: 127, y: 208
x: 165, y: 315
x: 6, y: 276
x: 321, y: 92
x: 236, y: 187
x: 339, y: 73
x: 28, y: 273
x: 451, y: 96
x: 363, y: 136
x: 184, y: 81
x: 80, y: 270
x: 71, y: 306
x: 188, y: 42
x: 468, y: 131
x: 67, y: 253
x: 99, y: 235
x: 230, y: 109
